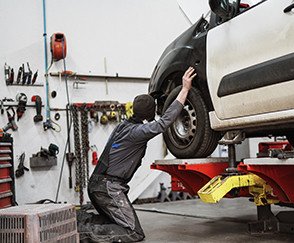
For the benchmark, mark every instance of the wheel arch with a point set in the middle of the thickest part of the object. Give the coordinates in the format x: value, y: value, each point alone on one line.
x: 174, y: 79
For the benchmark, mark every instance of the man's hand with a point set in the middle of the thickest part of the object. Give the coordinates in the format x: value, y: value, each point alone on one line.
x: 188, y: 77
x: 187, y: 84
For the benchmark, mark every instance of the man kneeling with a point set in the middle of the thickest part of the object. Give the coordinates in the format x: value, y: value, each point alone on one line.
x: 120, y: 159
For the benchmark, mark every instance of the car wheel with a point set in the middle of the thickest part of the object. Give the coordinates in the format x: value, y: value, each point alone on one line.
x: 290, y: 138
x: 190, y: 136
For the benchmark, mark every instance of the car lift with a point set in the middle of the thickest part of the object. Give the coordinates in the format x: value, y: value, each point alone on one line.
x: 268, y: 180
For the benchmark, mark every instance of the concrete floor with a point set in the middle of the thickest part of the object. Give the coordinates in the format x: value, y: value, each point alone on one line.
x: 200, y: 222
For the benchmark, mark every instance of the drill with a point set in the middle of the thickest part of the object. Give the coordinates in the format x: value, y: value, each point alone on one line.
x: 11, y: 121
x: 37, y: 99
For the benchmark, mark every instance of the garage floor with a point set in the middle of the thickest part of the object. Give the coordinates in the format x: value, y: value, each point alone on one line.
x: 200, y: 222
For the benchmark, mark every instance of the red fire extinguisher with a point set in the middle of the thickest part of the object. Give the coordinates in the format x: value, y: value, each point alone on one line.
x: 58, y: 46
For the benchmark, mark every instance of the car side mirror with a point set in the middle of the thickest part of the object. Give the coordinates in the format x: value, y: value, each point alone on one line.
x: 221, y: 8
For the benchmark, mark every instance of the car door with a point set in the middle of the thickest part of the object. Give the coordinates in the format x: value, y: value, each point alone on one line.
x: 250, y: 61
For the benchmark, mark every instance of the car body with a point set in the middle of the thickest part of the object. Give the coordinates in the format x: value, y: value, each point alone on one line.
x: 244, y: 58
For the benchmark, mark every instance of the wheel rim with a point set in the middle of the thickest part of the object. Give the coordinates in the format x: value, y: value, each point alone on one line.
x: 182, y: 131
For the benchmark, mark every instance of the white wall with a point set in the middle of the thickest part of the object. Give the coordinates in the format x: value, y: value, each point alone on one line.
x: 130, y: 34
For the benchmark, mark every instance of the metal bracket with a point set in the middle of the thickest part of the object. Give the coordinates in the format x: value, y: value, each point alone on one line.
x: 232, y: 137
x: 76, y: 84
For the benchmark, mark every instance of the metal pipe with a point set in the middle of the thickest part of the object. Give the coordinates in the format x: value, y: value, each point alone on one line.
x: 46, y: 64
x: 232, y: 155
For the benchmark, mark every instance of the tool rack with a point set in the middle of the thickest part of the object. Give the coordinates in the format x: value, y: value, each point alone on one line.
x: 7, y: 182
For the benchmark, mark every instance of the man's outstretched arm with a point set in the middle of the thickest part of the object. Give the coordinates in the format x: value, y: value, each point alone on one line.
x: 187, y: 84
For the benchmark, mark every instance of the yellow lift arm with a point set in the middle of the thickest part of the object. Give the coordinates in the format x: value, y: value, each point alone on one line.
x: 220, y: 185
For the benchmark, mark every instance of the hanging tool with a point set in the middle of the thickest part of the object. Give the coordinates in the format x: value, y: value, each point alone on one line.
x: 35, y: 77
x: 94, y: 158
x: 94, y: 154
x: 19, y: 73
x: 119, y: 112
x: 70, y: 158
x: 11, y: 120
x: 112, y: 115
x: 69, y: 155
x: 24, y: 75
x: 11, y: 77
x: 94, y: 115
x: 22, y: 102
x: 58, y: 46
x: 38, y: 102
x: 8, y: 100
x: 2, y: 107
x: 45, y: 157
x: 129, y: 109
x: 21, y: 168
x: 52, y: 151
x: 29, y: 74
x: 104, y: 118
x: 6, y: 73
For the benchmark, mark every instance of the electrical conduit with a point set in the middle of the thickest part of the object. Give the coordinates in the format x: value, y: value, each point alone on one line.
x: 47, y: 123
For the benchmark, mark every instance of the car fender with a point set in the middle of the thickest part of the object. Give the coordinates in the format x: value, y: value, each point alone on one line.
x: 170, y: 64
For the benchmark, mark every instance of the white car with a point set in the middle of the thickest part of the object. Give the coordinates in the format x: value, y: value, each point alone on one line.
x: 244, y: 57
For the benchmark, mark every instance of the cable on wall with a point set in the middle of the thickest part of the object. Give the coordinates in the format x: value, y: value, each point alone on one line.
x: 69, y: 125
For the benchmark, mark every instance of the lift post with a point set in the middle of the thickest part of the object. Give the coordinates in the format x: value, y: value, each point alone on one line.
x: 230, y: 139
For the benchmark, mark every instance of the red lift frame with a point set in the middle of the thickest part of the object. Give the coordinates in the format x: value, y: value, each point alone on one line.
x: 191, y: 175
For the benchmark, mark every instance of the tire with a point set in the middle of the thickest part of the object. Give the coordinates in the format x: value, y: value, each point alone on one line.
x: 290, y: 138
x: 190, y: 136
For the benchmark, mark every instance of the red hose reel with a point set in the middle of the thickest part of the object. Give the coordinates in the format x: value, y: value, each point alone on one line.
x: 58, y: 46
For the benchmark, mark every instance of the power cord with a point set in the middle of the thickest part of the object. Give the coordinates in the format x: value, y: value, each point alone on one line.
x: 67, y: 144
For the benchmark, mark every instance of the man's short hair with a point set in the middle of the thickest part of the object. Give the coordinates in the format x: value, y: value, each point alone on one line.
x: 144, y: 107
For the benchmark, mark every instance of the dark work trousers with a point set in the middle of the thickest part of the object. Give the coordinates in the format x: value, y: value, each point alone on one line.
x: 109, y: 197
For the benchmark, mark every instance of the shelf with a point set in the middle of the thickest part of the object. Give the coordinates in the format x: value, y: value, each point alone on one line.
x: 26, y: 85
x: 88, y: 77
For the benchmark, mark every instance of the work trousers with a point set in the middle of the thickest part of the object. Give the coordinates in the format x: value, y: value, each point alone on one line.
x: 109, y: 197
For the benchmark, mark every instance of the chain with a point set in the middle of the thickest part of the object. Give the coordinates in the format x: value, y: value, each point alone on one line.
x: 77, y: 147
x: 85, y: 145
x: 81, y: 140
